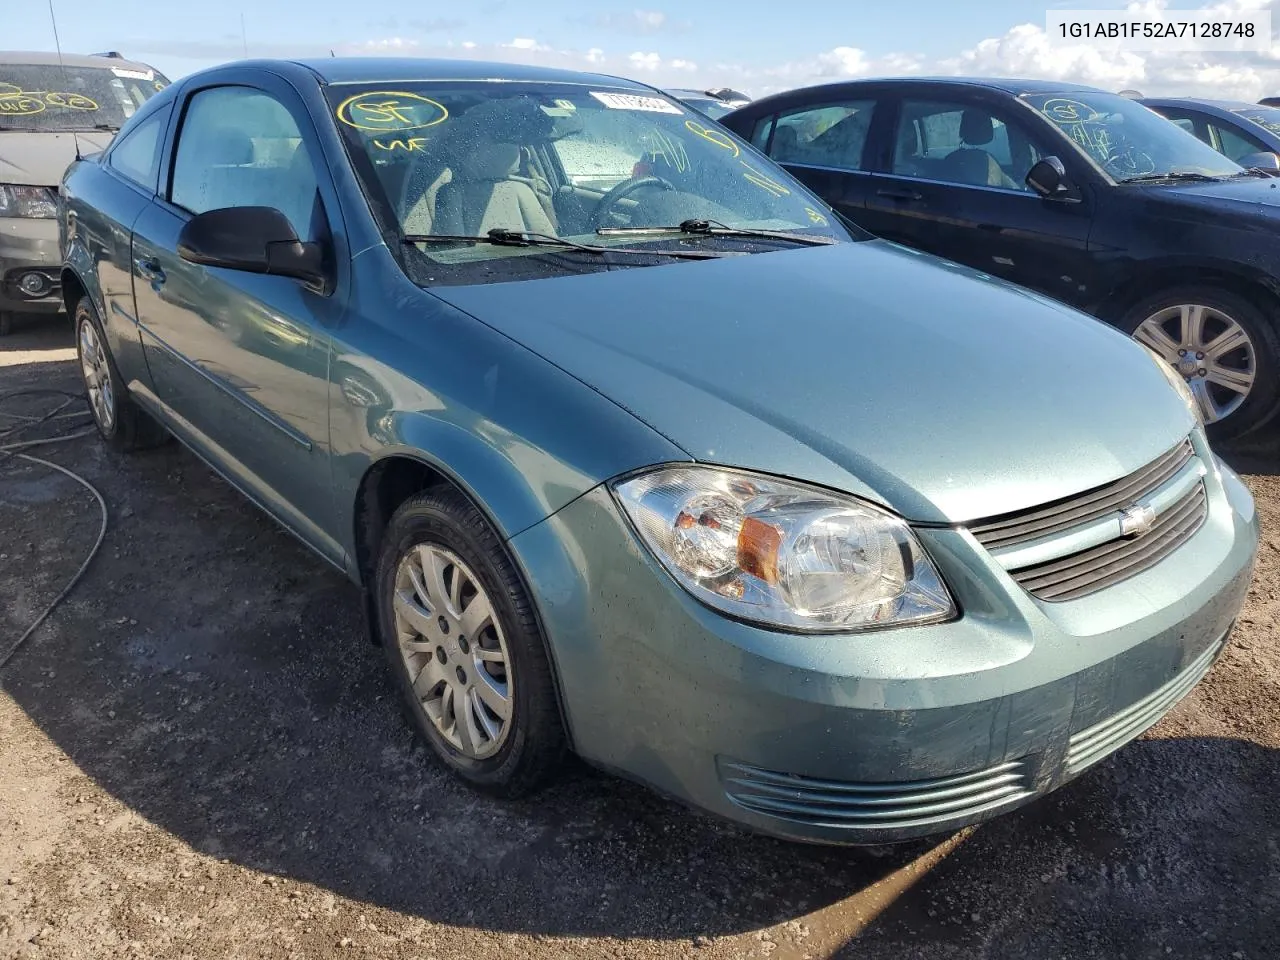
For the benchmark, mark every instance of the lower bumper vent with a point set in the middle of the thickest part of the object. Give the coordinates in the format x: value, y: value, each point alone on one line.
x: 874, y: 806
x: 1093, y: 743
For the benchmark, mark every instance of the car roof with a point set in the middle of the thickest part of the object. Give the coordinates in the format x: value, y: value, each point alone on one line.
x: 386, y: 69
x: 1004, y: 84
x: 45, y: 58
x: 1229, y: 105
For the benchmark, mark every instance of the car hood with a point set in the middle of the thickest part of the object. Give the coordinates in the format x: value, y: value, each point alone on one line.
x: 1257, y: 194
x: 39, y: 159
x: 864, y: 367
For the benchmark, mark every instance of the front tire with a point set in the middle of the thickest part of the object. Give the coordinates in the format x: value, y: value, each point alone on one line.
x: 1222, y: 344
x: 464, y: 645
x: 119, y: 419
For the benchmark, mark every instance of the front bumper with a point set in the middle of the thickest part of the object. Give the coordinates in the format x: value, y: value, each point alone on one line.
x: 876, y: 737
x: 30, y: 245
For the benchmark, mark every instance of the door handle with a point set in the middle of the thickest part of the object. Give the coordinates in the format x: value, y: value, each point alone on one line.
x: 149, y: 269
x: 909, y: 195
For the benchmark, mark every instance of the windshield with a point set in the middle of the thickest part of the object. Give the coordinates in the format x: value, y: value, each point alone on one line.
x: 51, y: 98
x: 715, y: 109
x: 1266, y: 117
x: 1127, y: 139
x: 567, y: 161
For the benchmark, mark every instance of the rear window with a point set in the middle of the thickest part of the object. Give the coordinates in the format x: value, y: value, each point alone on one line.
x: 53, y: 98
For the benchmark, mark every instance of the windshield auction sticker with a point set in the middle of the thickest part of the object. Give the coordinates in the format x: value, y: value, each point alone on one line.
x: 1174, y: 31
x: 627, y: 101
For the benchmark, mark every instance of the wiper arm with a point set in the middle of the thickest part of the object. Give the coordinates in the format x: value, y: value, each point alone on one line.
x: 1146, y: 177
x: 519, y: 238
x: 714, y: 228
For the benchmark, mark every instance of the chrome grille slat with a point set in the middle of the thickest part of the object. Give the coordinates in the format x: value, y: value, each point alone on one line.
x: 885, y: 806
x: 1100, y: 567
x: 1043, y: 521
x: 1063, y: 551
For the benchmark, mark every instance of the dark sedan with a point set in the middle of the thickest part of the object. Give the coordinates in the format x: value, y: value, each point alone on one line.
x: 1083, y: 195
x: 1245, y: 132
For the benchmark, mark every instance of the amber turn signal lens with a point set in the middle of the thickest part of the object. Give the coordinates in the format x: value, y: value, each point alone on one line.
x: 758, y: 546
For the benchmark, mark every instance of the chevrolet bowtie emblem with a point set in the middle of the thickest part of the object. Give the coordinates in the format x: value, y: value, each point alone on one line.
x: 1137, y: 519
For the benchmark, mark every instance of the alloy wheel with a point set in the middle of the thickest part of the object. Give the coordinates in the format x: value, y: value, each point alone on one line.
x: 1210, y: 350
x: 97, y: 376
x: 454, y: 650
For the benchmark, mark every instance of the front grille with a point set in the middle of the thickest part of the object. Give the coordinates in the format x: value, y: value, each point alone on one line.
x: 1075, y: 547
x: 1093, y: 743
x: 874, y: 806
x: 1027, y: 525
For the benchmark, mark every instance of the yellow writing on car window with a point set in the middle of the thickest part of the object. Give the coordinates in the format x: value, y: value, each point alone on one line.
x: 815, y: 216
x: 15, y: 102
x: 390, y: 111
x: 72, y: 101
x: 760, y: 180
x: 410, y: 143
x: 670, y: 150
x: 718, y: 137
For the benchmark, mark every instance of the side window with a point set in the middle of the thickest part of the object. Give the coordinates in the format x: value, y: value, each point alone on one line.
x: 1235, y: 144
x: 1188, y: 123
x: 136, y: 155
x: 760, y: 135
x: 961, y: 143
x: 832, y: 135
x: 240, y: 147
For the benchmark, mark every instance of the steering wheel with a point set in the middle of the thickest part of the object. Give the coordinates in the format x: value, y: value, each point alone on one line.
x: 605, y: 205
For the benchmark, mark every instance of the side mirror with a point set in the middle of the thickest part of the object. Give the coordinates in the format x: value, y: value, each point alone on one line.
x: 252, y: 239
x: 1048, y: 177
x: 1266, y: 162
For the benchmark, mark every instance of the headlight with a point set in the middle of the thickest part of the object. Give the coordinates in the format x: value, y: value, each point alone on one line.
x: 1175, y: 380
x: 783, y: 554
x: 23, y: 201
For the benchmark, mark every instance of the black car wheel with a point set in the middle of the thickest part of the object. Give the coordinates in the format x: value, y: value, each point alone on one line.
x: 464, y: 645
x: 1223, y: 346
x: 120, y: 421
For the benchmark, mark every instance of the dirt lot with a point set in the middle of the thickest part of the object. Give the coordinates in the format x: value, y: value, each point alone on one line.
x: 200, y: 758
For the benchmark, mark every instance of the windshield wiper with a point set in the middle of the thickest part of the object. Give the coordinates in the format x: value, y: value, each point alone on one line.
x: 1186, y: 175
x: 714, y: 228
x: 519, y: 238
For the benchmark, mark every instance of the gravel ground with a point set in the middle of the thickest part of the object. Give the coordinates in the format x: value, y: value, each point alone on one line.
x: 199, y: 757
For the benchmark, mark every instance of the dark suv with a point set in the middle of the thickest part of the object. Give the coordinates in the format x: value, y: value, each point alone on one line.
x: 1083, y: 195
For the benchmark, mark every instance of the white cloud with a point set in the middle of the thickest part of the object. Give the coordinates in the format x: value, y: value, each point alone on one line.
x: 634, y: 22
x: 525, y: 43
x: 468, y: 44
x: 645, y: 61
x: 594, y: 55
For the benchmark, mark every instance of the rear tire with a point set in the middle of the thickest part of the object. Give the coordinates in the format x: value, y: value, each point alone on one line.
x: 119, y: 419
x: 464, y: 645
x: 1225, y: 347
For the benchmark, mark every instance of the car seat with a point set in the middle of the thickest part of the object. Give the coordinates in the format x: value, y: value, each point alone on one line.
x: 482, y: 195
x: 970, y: 163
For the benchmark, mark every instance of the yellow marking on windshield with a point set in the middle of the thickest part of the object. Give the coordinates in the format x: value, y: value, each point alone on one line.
x: 411, y: 143
x: 16, y: 102
x: 717, y: 137
x: 762, y: 181
x: 72, y: 101
x: 392, y: 111
x: 815, y: 216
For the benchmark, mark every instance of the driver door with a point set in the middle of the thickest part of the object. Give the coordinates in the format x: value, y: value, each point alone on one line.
x: 241, y: 360
x: 955, y: 186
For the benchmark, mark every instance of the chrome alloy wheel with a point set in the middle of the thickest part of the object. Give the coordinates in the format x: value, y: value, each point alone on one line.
x: 97, y: 375
x: 1211, y: 351
x: 454, y: 650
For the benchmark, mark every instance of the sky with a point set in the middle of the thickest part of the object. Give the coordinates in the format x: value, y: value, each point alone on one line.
x: 755, y: 46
